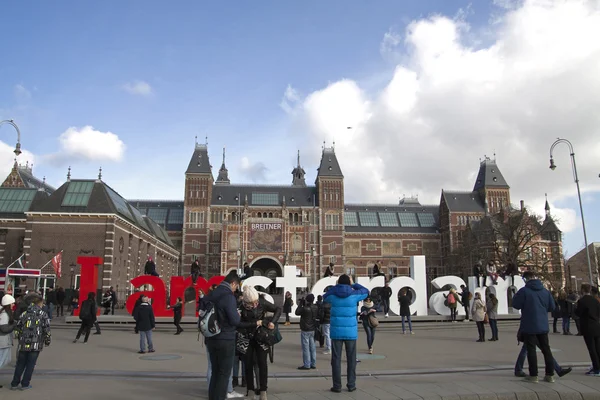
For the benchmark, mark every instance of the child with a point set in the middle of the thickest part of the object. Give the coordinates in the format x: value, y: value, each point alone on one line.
x: 32, y: 332
x: 144, y: 323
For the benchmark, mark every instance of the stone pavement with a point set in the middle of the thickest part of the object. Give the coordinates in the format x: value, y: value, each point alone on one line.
x: 439, y: 361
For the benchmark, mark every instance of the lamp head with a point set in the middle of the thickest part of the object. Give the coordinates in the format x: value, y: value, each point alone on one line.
x: 552, y: 165
x: 18, y: 149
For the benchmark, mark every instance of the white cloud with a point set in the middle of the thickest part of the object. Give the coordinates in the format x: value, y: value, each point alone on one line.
x: 290, y: 99
x: 89, y: 144
x: 7, y: 158
x: 389, y: 44
x: 448, y: 104
x: 139, y: 88
x: 255, y: 172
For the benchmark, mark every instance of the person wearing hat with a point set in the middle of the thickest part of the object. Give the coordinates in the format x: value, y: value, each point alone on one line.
x: 344, y: 298
x: 308, y: 313
x: 365, y: 312
x: 7, y: 325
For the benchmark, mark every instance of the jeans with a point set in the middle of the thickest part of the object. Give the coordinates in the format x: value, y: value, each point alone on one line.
x: 221, y: 354
x: 336, y: 363
x: 287, y: 317
x: 386, y: 306
x: 593, y: 345
x: 309, y: 351
x: 146, y: 336
x: 566, y: 324
x: 494, y: 327
x: 85, y: 328
x: 209, y: 371
x: 326, y: 328
x: 236, y: 369
x: 409, y: 323
x: 256, y: 356
x: 521, y: 361
x: 26, y: 361
x: 541, y: 341
x: 370, y: 335
x: 49, y: 310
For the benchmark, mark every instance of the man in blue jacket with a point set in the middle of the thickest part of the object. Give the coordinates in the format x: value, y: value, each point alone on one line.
x: 221, y: 347
x: 344, y: 298
x: 535, y: 302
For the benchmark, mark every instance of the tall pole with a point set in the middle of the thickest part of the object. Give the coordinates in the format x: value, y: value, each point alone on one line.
x: 12, y: 123
x: 576, y: 178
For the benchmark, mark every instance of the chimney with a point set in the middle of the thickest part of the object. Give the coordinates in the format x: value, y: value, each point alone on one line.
x: 522, y: 205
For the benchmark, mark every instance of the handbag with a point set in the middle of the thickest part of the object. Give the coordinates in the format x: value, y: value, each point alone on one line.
x: 264, y: 335
x: 373, y: 321
x: 486, y: 319
x: 7, y: 328
x: 242, y: 343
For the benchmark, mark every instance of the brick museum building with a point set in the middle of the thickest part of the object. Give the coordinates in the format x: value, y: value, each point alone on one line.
x: 225, y: 225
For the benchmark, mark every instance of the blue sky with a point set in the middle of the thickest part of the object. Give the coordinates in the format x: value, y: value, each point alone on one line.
x: 221, y: 70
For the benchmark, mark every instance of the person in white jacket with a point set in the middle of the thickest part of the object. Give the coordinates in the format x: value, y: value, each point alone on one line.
x: 492, y: 272
x: 7, y: 325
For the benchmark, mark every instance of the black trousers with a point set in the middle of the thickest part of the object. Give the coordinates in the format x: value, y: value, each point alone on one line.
x: 86, y: 327
x: 593, y: 346
x: 481, y: 330
x: 554, y: 328
x: 60, y: 309
x: 177, y: 321
x: 453, y: 313
x: 221, y: 360
x: 287, y: 317
x: 386, y: 305
x: 256, y: 356
x: 467, y: 313
x: 541, y: 341
x: 97, y: 326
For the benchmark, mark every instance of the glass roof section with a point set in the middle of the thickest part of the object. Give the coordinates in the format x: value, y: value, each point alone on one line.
x: 350, y: 218
x: 265, y: 199
x: 368, y: 218
x: 408, y: 220
x: 426, y: 220
x: 16, y: 200
x: 78, y: 194
x: 388, y: 219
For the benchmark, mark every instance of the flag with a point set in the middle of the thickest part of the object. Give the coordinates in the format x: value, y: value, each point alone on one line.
x: 20, y: 261
x: 57, y: 264
x: 2, y: 278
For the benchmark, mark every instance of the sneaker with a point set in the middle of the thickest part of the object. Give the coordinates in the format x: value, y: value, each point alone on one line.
x: 404, y: 332
x: 531, y: 379
x: 327, y: 352
x: 352, y: 389
x: 141, y: 352
x: 336, y: 390
x: 549, y: 379
x: 520, y: 374
x: 371, y: 351
x: 151, y: 351
x: 26, y: 387
x: 75, y: 341
x: 303, y: 368
x: 387, y: 315
x: 97, y: 333
x: 14, y: 388
x: 564, y: 371
x: 591, y: 372
x: 412, y: 333
x: 234, y: 395
x: 313, y: 367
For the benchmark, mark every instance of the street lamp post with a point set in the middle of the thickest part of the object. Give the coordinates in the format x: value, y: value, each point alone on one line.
x: 576, y: 178
x: 12, y: 123
x: 575, y: 279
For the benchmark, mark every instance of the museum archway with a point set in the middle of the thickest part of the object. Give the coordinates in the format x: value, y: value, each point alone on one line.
x: 268, y: 267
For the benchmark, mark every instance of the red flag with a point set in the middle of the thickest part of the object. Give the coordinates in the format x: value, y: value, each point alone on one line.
x: 57, y: 264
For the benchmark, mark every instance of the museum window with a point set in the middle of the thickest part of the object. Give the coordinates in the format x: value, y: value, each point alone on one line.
x: 196, y: 220
x: 332, y: 222
x: 217, y: 217
x: 371, y: 247
x: 333, y: 259
x: 195, y: 244
x: 332, y: 246
x: 215, y: 249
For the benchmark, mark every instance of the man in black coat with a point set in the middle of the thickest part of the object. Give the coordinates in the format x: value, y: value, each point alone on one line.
x: 150, y: 267
x: 478, y: 273
x: 386, y: 293
x: 113, y: 300
x: 195, y: 270
x: 145, y: 323
x: 588, y: 311
x: 308, y: 313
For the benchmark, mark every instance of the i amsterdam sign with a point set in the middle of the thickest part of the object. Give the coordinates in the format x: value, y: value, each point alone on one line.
x: 417, y: 283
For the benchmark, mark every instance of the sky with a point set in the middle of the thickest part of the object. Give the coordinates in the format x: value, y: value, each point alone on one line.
x: 429, y: 89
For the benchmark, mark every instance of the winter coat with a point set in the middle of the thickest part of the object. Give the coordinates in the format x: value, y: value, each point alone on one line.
x: 150, y: 268
x: 344, y: 301
x: 248, y: 318
x: 556, y: 312
x: 464, y: 296
x: 565, y: 308
x: 177, y: 308
x: 477, y: 270
x: 88, y: 311
x: 195, y: 268
x: 226, y: 307
x: 328, y: 272
x: 456, y: 300
x: 588, y: 311
x: 6, y: 339
x: 478, y: 310
x: 492, y: 309
x: 33, y: 339
x: 364, y: 315
x: 308, y: 317
x: 386, y: 293
x: 113, y: 297
x: 60, y: 296
x: 325, y: 314
x: 144, y: 318
x: 404, y: 305
x: 535, y: 302
x: 287, y: 305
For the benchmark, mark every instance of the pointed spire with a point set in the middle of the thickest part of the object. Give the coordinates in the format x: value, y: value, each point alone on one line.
x: 547, y: 206
x: 69, y: 174
x: 99, y: 175
x: 223, y: 177
x: 43, y: 187
x: 298, y: 158
x: 298, y: 174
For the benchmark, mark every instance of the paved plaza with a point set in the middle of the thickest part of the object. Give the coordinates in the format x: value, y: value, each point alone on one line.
x: 441, y: 361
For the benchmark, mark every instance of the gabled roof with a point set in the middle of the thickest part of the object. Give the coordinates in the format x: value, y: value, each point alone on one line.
x: 199, y: 163
x: 489, y: 176
x: 463, y: 201
x: 329, y: 166
x: 264, y: 195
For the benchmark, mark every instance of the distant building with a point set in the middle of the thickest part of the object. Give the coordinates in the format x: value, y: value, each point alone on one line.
x: 577, y: 266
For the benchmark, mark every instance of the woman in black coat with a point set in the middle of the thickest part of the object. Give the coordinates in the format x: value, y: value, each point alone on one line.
x: 177, y: 312
x: 287, y: 307
x: 405, y: 310
x: 87, y: 315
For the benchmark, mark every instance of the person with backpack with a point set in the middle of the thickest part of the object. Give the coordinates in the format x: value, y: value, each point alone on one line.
x: 252, y: 319
x: 87, y: 315
x: 308, y: 313
x: 369, y: 321
x: 145, y: 324
x: 218, y: 321
x: 452, y: 301
x: 32, y: 332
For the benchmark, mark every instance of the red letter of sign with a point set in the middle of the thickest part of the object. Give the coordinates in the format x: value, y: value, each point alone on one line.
x: 88, y: 280
x: 179, y: 284
x: 158, y: 295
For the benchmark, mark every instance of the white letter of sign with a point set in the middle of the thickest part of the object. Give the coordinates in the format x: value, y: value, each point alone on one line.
x: 259, y: 281
x: 289, y: 282
x: 436, y: 301
x: 418, y: 284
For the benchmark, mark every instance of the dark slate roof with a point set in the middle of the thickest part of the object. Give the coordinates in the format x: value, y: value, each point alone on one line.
x: 550, y: 225
x: 166, y: 213
x: 102, y: 200
x: 489, y: 176
x: 199, y: 163
x: 294, y: 196
x: 31, y: 181
x: 8, y: 208
x: 415, y: 210
x: 463, y: 201
x: 329, y: 166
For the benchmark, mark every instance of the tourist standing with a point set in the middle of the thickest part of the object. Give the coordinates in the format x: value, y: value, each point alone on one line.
x: 113, y: 300
x: 588, y: 311
x: 404, y: 301
x: 177, y: 313
x: 308, y: 313
x: 60, y: 302
x: 106, y: 302
x: 32, y: 332
x: 145, y: 324
x: 88, y: 318
x: 50, y: 301
x: 221, y: 347
x: 466, y: 297
x: 566, y: 308
x: 252, y: 318
x: 367, y: 311
x: 325, y: 321
x: 555, y: 313
x: 343, y: 298
x: 478, y: 311
x: 7, y: 325
x: 535, y: 302
x: 492, y: 312
x: 386, y: 294
x: 452, y: 301
x: 287, y: 307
